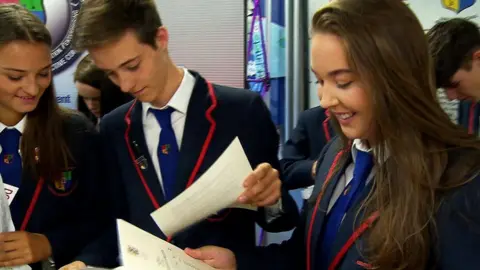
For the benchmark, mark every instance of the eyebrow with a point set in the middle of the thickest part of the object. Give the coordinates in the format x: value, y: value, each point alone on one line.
x: 336, y: 72
x: 123, y: 64
x: 23, y: 70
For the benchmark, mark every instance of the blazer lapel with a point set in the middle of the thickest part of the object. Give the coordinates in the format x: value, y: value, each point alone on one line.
x: 353, y: 219
x: 22, y: 199
x: 138, y: 144
x: 195, y: 140
x: 323, y: 207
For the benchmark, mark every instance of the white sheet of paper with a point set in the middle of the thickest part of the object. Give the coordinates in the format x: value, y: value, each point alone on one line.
x: 6, y: 223
x: 10, y: 191
x: 142, y: 250
x: 218, y: 188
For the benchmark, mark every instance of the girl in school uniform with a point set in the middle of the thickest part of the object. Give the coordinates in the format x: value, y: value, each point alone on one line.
x: 399, y: 187
x: 48, y: 164
x: 97, y: 95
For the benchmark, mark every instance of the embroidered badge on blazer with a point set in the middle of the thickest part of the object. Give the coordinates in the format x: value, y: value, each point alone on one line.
x: 65, y: 185
x: 8, y: 159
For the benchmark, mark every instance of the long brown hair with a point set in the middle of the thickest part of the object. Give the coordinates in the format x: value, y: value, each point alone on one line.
x: 43, y: 136
x: 386, y: 46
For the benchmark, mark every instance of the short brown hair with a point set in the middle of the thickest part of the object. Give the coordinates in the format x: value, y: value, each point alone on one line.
x: 88, y: 73
x: 452, y: 44
x: 103, y: 21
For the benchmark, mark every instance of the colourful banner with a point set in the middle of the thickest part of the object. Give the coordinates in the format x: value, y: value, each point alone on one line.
x: 458, y: 5
x: 258, y: 76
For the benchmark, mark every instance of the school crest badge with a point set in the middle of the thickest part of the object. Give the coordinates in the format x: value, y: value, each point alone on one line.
x: 65, y: 183
x: 458, y: 5
x: 8, y: 159
x: 166, y: 149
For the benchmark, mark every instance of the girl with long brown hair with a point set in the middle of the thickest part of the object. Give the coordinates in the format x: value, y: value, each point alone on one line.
x: 48, y: 161
x: 97, y: 95
x: 399, y: 188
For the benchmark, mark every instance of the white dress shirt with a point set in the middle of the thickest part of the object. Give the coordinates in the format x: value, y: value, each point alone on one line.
x: 152, y: 129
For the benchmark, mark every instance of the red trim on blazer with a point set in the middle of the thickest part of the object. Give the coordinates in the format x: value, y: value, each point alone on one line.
x: 200, y: 159
x: 356, y: 234
x: 32, y: 205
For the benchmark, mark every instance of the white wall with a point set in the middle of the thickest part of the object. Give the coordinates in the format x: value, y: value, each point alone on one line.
x: 428, y: 12
x: 207, y: 36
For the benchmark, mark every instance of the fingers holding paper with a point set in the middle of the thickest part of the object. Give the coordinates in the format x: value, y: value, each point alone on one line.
x: 77, y: 265
x: 20, y: 248
x: 262, y: 186
x: 216, y: 257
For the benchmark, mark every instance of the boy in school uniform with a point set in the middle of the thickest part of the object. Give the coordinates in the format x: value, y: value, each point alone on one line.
x: 300, y: 151
x: 455, y: 48
x: 178, y: 125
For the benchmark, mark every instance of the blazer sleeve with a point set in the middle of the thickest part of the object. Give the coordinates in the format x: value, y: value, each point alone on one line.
x: 296, y: 166
x: 103, y: 251
x: 458, y: 227
x: 285, y: 256
x: 290, y: 254
x: 263, y: 144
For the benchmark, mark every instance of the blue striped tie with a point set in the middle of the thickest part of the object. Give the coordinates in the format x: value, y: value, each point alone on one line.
x: 11, y: 163
x: 363, y: 166
x: 167, y: 151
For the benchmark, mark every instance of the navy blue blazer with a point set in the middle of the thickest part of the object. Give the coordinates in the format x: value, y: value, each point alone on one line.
x: 224, y: 112
x: 457, y: 220
x: 310, y: 135
x: 468, y: 116
x: 65, y: 214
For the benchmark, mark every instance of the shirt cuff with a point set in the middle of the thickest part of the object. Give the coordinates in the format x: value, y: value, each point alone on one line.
x: 272, y: 212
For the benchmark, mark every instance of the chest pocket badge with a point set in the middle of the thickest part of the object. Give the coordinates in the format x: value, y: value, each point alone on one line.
x: 65, y: 185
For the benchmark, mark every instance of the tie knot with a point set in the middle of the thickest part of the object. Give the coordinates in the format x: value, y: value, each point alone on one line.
x: 364, y: 156
x: 10, y: 138
x: 363, y: 162
x: 164, y: 116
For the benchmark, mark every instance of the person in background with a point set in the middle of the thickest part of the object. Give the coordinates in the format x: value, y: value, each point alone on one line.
x: 455, y: 48
x: 399, y: 187
x: 176, y: 128
x: 97, y: 95
x: 48, y: 155
x: 301, y: 150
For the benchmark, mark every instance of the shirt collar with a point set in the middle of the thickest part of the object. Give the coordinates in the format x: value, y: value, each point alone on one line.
x: 20, y: 126
x: 361, y: 145
x: 180, y: 99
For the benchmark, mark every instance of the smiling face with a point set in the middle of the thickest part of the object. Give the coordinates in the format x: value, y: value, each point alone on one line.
x: 25, y: 73
x: 339, y: 88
